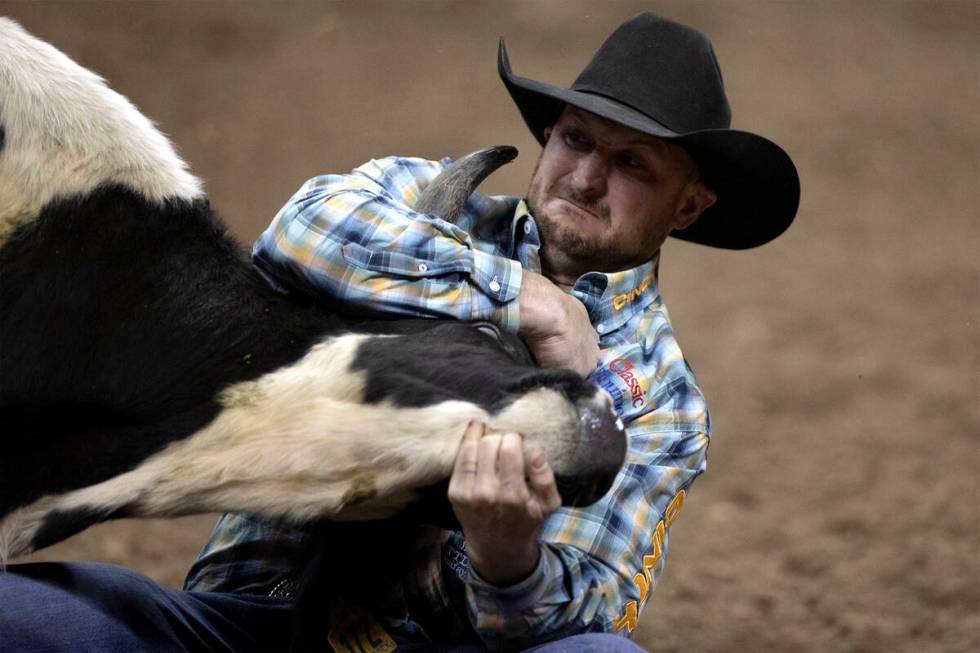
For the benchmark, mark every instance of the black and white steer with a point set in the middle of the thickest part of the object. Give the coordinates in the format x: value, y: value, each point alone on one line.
x: 147, y: 370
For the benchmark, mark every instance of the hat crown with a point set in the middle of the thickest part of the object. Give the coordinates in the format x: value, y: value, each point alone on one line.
x: 664, y: 70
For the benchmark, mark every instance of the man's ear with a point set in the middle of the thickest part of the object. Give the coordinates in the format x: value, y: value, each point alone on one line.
x: 547, y: 132
x: 697, y: 199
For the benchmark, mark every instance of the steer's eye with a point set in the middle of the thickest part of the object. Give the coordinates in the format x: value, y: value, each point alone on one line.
x: 488, y: 328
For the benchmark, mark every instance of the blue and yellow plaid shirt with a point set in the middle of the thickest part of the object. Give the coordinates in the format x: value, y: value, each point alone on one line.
x: 354, y: 238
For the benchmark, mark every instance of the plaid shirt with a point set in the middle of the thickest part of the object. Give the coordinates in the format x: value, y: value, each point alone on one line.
x: 353, y: 238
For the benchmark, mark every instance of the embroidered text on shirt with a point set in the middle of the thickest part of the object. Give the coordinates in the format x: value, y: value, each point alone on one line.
x: 643, y: 578
x: 619, y: 301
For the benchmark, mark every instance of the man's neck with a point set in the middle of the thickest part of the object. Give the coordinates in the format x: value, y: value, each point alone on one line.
x: 564, y: 282
x: 561, y: 272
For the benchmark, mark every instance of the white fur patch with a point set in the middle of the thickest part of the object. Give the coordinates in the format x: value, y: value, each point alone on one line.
x: 68, y: 133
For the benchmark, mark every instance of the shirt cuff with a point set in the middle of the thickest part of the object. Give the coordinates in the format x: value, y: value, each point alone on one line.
x: 499, y: 279
x: 524, y: 595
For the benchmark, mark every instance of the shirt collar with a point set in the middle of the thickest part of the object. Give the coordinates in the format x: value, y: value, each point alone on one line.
x: 614, y: 297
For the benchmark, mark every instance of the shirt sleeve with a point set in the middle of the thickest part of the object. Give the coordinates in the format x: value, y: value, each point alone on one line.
x: 250, y: 555
x: 354, y: 238
x: 599, y: 565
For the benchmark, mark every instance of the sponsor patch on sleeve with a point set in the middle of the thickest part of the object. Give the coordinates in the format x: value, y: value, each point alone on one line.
x: 624, y: 383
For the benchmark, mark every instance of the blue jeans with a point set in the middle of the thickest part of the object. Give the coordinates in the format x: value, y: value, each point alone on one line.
x: 82, y: 607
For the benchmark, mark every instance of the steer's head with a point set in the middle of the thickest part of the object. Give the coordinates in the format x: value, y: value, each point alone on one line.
x: 571, y: 420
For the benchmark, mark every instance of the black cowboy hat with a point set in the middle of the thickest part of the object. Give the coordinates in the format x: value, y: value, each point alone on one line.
x: 661, y: 78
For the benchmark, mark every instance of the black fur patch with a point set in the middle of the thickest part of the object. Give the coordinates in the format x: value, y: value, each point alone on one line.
x: 3, y: 137
x: 60, y: 525
x: 454, y: 360
x: 120, y: 322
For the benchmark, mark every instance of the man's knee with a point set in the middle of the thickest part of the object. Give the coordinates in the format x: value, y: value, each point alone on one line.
x: 97, y: 607
x: 50, y: 606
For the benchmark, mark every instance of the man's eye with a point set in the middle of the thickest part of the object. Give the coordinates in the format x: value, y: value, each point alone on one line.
x: 631, y: 161
x: 576, y: 141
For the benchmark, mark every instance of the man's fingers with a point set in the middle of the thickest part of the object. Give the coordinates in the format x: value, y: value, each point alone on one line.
x: 580, y: 356
x: 485, y: 483
x: 464, y: 470
x: 466, y: 459
x: 589, y: 361
x: 541, y: 482
x: 556, y: 326
x: 510, y: 468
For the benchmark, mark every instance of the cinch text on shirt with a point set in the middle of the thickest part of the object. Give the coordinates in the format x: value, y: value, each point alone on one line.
x: 643, y: 578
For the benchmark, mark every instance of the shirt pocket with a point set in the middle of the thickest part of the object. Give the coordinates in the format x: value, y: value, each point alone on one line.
x: 399, y: 264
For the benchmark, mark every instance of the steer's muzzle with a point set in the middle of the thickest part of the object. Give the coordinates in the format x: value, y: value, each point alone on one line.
x: 600, y: 453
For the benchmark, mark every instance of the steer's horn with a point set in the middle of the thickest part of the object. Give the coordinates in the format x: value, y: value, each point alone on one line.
x: 447, y: 193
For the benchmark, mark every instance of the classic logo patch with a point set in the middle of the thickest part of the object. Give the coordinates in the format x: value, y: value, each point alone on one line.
x: 619, y: 379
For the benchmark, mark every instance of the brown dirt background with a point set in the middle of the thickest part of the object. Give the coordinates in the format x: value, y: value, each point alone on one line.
x: 841, y: 509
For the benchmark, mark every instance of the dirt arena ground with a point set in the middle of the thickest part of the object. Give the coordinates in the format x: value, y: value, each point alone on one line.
x: 841, y: 510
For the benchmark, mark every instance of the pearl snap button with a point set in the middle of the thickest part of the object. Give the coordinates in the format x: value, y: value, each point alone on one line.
x: 423, y: 267
x: 495, y: 285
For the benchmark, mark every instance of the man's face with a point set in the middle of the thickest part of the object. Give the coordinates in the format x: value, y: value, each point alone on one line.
x: 605, y: 196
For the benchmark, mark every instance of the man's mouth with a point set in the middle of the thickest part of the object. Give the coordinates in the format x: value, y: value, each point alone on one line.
x: 581, y: 209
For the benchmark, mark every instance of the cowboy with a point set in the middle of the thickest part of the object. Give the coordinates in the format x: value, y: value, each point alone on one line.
x: 639, y: 148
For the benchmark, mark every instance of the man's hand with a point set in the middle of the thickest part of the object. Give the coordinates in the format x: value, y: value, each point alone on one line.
x: 556, y: 326
x: 500, y: 511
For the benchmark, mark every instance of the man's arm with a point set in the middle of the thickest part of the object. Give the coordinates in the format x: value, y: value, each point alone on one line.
x: 598, y: 566
x: 501, y: 512
x: 355, y: 239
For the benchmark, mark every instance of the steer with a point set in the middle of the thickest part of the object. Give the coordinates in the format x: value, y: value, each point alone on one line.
x: 146, y: 369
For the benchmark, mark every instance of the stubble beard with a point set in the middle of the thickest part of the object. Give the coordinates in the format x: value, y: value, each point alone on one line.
x: 567, y: 252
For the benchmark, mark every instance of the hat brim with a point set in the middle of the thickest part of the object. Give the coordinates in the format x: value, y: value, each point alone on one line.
x: 757, y: 185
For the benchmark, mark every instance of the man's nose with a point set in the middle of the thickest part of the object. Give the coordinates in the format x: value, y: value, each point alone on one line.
x: 590, y: 175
